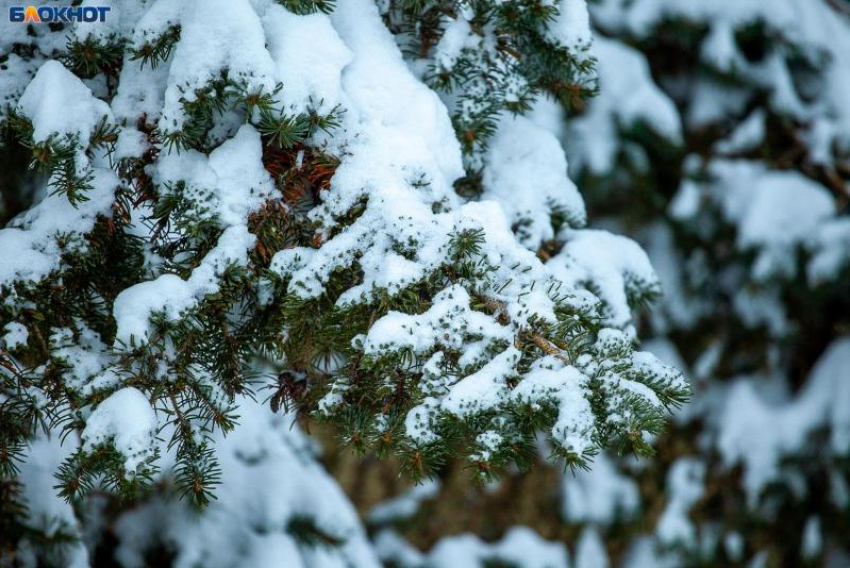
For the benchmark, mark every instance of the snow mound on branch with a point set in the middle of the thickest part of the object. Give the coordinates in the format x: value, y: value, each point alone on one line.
x: 567, y: 388
x: 271, y: 484
x: 171, y: 295
x: 758, y: 434
x: 231, y: 182
x: 571, y: 27
x: 599, y: 495
x: 613, y: 267
x: 590, y: 550
x: 817, y: 30
x: 215, y: 35
x: 308, y: 75
x: 58, y: 103
x: 29, y: 247
x: 16, y: 335
x: 685, y: 486
x: 520, y: 546
x: 627, y: 96
x: 775, y: 211
x: 526, y: 172
x: 127, y: 420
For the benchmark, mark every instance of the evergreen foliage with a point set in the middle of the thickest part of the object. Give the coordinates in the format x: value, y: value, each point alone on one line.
x: 222, y: 217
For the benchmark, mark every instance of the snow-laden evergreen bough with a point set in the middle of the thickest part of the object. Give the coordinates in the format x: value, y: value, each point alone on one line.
x: 735, y: 167
x: 230, y: 196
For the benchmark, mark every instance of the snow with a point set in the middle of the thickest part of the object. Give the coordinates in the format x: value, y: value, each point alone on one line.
x: 774, y: 211
x: 46, y: 510
x: 758, y: 433
x: 127, y: 420
x: 812, y: 538
x: 830, y: 247
x: 678, y: 309
x: 450, y: 312
x: 571, y: 28
x: 405, y: 505
x: 590, y: 550
x: 171, y: 295
x: 485, y: 389
x: 614, y: 267
x: 526, y: 172
x: 59, y: 104
x: 141, y: 91
x: 269, y: 478
x: 685, y: 486
x: 310, y: 77
x: 210, y: 43
x: 233, y: 174
x: 643, y: 553
x: 748, y: 135
x: 520, y: 546
x: 15, y: 75
x: 16, y: 335
x: 566, y: 387
x: 627, y: 96
x: 28, y: 244
x: 229, y: 184
x: 393, y: 548
x: 399, y: 158
x: 457, y: 36
x: 85, y: 359
x: 813, y: 28
x: 599, y: 495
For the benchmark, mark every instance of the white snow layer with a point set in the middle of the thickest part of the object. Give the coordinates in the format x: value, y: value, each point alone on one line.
x: 269, y: 479
x: 813, y: 27
x: 627, y: 96
x: 126, y: 419
x: 599, y: 495
x: 758, y: 433
x: 774, y: 211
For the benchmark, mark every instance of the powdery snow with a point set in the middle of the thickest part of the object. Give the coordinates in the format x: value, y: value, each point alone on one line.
x: 526, y: 172
x: 127, y: 420
x: 58, y: 103
x: 753, y: 431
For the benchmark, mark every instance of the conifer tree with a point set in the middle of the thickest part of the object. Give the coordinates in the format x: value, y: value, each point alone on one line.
x: 239, y: 212
x: 718, y: 140
x: 731, y: 143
